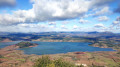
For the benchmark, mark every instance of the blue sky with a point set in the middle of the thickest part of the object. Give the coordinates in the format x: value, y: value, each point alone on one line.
x: 59, y: 15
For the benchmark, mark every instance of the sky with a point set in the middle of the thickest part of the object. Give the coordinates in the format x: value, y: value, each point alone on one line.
x: 59, y: 15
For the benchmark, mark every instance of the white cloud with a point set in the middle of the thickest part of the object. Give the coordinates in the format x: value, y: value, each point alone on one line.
x: 27, y: 28
x: 59, y: 9
x: 7, y: 19
x: 115, y: 26
x: 103, y: 18
x: 99, y: 25
x: 31, y: 25
x: 20, y: 16
x: 52, y: 23
x: 75, y: 27
x: 52, y: 10
x: 65, y: 22
x: 32, y: 1
x: 115, y: 22
x: 83, y: 21
x: 63, y: 27
x: 103, y: 11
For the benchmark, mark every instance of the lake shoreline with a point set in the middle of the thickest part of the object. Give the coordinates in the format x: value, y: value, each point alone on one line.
x: 12, y: 53
x: 14, y: 47
x: 67, y: 44
x: 91, y: 44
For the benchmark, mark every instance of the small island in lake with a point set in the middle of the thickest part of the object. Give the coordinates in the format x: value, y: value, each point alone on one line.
x: 26, y: 44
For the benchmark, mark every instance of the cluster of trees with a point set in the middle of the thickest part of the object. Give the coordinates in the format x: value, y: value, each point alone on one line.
x: 45, y: 61
x: 24, y: 44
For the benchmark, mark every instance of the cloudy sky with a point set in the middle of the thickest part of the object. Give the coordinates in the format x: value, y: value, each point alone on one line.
x: 59, y: 15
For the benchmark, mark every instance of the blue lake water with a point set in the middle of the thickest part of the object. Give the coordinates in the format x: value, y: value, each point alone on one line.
x: 60, y: 47
x: 4, y: 44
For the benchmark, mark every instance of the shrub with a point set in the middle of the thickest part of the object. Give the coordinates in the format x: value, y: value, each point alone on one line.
x: 61, y: 63
x: 96, y: 66
x: 45, y: 61
x: 1, y: 56
x: 118, y: 52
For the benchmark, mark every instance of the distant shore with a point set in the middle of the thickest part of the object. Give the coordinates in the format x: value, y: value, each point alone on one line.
x: 92, y: 44
x: 7, y: 40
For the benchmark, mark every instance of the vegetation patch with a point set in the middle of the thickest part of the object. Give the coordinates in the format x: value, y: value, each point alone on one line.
x: 25, y: 44
x: 23, y: 60
x: 1, y: 56
x: 45, y: 61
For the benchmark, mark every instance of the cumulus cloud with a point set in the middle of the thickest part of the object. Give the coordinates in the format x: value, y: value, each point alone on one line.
x: 101, y: 28
x: 31, y: 25
x: 25, y: 27
x: 20, y: 16
x: 103, y: 11
x: 60, y: 9
x: 7, y: 3
x: 7, y: 19
x: 103, y: 18
x: 52, y: 23
x: 75, y: 27
x: 83, y: 21
x: 115, y: 22
x: 65, y: 22
x: 63, y: 27
x: 52, y: 10
x: 99, y: 25
x: 115, y: 25
x: 32, y: 1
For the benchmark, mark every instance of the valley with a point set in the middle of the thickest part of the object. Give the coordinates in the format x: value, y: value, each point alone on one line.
x: 16, y: 58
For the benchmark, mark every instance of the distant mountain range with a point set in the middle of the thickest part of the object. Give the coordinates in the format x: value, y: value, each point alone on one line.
x: 63, y: 34
x: 94, y: 33
x: 58, y: 36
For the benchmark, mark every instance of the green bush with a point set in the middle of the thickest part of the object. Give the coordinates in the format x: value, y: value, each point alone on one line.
x: 61, y: 63
x: 1, y: 56
x: 96, y: 66
x: 45, y: 61
x: 118, y: 52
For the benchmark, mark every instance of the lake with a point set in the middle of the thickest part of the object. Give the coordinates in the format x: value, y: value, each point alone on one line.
x: 4, y: 44
x: 58, y: 47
